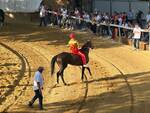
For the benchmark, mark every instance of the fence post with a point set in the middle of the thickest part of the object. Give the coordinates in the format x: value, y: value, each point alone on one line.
x: 120, y: 40
x: 109, y: 30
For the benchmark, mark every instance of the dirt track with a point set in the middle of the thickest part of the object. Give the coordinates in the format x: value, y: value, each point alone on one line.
x: 120, y: 76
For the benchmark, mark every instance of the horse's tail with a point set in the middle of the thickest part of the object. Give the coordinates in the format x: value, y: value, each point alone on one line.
x: 53, y: 64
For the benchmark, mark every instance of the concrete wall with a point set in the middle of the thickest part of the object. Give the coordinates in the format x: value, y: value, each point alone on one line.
x: 20, y: 5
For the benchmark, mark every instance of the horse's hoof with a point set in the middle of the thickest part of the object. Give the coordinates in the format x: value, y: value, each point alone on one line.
x: 65, y: 84
x: 68, y: 84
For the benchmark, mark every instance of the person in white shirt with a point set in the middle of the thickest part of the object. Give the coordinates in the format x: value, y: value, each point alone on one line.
x: 42, y: 15
x: 38, y: 87
x: 136, y: 37
x: 64, y: 17
x: 86, y: 16
x: 120, y: 20
x: 64, y: 13
x: 77, y: 13
x: 98, y: 18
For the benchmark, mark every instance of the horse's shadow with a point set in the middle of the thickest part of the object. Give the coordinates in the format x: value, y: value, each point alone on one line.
x: 74, y: 83
x: 69, y: 84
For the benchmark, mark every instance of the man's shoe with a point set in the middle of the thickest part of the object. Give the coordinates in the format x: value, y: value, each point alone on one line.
x: 30, y: 104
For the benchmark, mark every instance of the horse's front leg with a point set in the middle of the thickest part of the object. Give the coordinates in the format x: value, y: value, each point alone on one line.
x: 82, y: 76
x: 89, y: 71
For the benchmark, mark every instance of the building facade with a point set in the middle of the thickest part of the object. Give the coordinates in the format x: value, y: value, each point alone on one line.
x: 111, y: 6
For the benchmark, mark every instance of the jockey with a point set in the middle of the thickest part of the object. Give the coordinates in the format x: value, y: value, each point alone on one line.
x: 73, y: 44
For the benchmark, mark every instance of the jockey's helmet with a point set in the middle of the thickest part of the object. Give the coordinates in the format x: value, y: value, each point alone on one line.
x: 72, y: 36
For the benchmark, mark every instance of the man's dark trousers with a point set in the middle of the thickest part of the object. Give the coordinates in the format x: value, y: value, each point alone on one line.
x: 38, y: 95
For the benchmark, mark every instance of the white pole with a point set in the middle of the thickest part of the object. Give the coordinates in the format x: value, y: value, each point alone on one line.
x: 120, y: 38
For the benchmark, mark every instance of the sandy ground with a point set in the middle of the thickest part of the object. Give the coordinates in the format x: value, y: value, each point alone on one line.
x: 120, y: 75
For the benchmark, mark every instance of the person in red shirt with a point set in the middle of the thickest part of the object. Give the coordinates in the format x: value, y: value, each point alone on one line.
x: 73, y: 44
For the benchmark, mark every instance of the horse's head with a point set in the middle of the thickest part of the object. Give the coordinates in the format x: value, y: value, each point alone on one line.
x: 88, y: 45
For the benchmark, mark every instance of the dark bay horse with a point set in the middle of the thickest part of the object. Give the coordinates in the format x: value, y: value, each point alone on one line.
x: 65, y: 58
x: 2, y: 17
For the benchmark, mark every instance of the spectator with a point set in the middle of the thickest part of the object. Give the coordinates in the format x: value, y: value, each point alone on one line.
x: 98, y: 27
x: 64, y: 17
x: 115, y: 29
x: 78, y: 21
x: 124, y: 32
x: 59, y: 17
x: 136, y: 36
x: 124, y: 17
x: 146, y: 34
x: 106, y: 21
x: 43, y: 15
x: 38, y: 87
x: 93, y: 25
x: 86, y: 17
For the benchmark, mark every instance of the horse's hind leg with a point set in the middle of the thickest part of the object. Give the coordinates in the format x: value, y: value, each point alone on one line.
x: 62, y: 77
x: 58, y: 77
x: 62, y: 74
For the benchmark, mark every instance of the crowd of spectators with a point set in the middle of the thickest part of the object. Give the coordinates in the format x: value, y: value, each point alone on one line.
x: 98, y: 22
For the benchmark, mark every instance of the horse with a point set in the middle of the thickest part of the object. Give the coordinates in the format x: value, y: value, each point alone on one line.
x: 65, y: 58
x: 2, y: 17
